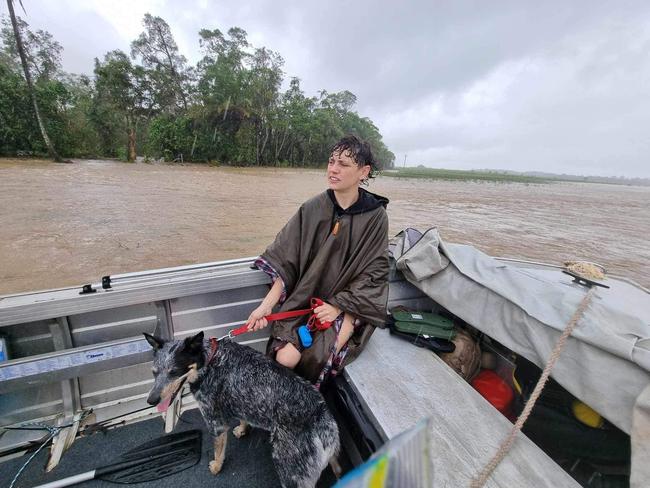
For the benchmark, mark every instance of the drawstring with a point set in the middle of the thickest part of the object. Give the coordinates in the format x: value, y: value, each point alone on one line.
x: 347, y: 252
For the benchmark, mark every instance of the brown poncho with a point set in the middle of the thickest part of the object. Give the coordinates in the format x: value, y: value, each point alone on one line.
x: 345, y: 264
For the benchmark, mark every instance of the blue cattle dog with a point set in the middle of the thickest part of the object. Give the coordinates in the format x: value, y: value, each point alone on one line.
x: 232, y: 382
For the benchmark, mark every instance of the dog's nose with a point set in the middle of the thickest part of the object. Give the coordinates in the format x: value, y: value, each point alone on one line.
x: 153, y: 400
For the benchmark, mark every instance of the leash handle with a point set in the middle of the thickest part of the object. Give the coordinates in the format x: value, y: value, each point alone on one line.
x: 288, y: 315
x: 313, y: 323
x: 274, y: 316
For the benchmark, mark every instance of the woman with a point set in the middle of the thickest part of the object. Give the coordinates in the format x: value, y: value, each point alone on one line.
x: 333, y: 248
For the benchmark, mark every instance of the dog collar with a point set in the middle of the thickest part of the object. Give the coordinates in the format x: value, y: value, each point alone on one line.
x: 213, y: 349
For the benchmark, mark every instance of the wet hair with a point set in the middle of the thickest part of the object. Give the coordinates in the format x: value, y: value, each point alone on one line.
x: 359, y: 151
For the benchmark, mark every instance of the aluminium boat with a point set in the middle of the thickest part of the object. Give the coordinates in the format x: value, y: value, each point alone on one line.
x: 76, y: 357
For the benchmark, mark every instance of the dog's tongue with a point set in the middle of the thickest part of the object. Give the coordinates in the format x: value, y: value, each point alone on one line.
x: 164, y: 405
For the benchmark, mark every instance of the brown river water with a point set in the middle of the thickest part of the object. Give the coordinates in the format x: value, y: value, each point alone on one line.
x: 69, y: 224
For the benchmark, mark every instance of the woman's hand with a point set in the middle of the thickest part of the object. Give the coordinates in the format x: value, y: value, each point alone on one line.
x: 327, y: 312
x: 256, y: 320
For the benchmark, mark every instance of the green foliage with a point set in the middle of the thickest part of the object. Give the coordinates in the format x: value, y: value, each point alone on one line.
x: 42, y: 51
x: 229, y: 109
x: 169, y: 137
x: 81, y: 138
x: 166, y: 67
x: 121, y: 153
x: 16, y: 131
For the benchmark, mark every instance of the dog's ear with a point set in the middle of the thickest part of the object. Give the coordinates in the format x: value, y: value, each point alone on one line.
x: 194, y: 344
x: 155, y: 342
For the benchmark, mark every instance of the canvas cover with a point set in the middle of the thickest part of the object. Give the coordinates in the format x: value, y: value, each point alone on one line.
x: 606, y: 362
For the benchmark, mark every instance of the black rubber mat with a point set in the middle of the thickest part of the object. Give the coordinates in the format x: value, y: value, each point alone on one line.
x: 247, y: 465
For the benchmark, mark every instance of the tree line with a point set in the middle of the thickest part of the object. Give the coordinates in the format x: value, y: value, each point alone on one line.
x: 229, y: 108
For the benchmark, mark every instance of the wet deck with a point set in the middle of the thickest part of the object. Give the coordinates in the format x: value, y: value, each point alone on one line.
x: 248, y: 460
x: 466, y: 429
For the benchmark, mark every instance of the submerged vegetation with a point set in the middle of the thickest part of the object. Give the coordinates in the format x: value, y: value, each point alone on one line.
x: 450, y: 174
x: 503, y: 176
x: 227, y: 109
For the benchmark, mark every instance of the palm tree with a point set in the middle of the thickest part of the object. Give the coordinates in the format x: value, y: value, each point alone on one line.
x: 30, y: 86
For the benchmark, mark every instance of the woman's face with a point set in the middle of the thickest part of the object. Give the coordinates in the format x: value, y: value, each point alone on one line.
x: 343, y: 173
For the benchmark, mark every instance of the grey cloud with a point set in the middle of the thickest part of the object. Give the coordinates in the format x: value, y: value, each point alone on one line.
x: 513, y: 84
x: 83, y: 34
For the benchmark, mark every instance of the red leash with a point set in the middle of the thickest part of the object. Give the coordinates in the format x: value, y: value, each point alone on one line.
x: 313, y: 323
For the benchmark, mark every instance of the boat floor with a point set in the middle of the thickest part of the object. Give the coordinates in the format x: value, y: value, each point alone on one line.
x: 248, y: 460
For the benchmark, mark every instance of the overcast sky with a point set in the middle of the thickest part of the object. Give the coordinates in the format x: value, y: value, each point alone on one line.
x: 559, y: 86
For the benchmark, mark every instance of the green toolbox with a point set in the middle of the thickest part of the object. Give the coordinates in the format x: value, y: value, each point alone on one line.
x: 423, y: 323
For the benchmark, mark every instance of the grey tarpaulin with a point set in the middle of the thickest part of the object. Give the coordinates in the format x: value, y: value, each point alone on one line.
x: 640, y: 477
x: 606, y: 361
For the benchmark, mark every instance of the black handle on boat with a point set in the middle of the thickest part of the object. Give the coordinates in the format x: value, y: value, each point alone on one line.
x: 106, y: 282
x: 86, y: 289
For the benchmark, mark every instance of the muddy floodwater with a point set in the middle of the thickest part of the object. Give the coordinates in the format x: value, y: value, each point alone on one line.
x: 69, y: 224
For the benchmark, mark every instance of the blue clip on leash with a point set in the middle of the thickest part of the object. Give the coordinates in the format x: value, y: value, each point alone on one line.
x: 305, y: 336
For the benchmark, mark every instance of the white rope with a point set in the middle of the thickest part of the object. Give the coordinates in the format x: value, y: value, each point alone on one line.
x: 53, y: 431
x: 507, y: 443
